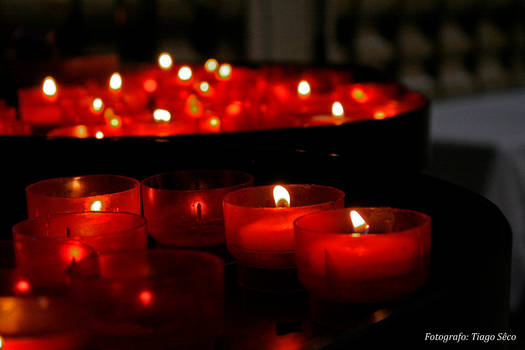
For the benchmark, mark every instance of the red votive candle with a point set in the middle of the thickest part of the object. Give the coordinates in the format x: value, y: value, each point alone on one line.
x: 83, y: 193
x: 40, y: 322
x: 43, y: 262
x: 338, y: 261
x: 259, y: 226
x: 184, y: 208
x: 104, y: 231
x: 147, y: 299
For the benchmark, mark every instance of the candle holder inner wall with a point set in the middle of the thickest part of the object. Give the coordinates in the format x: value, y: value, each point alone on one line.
x: 184, y: 208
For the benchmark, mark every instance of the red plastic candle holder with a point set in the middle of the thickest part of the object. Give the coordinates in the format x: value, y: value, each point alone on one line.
x: 104, y: 231
x: 260, y: 235
x: 184, y: 208
x: 41, y: 322
x: 337, y: 264
x: 152, y: 298
x: 83, y: 193
x: 33, y: 264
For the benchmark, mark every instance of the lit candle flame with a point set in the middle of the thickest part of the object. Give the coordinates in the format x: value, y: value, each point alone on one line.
x: 204, y: 87
x: 185, y: 73
x: 96, y: 205
x: 358, y: 223
x: 49, y: 87
x: 211, y: 65
x: 303, y: 89
x: 115, y: 82
x: 115, y: 121
x: 99, y: 135
x: 225, y: 71
x: 97, y: 105
x: 281, y: 197
x: 359, y: 95
x: 338, y: 110
x: 161, y: 115
x: 165, y: 61
x: 214, y: 121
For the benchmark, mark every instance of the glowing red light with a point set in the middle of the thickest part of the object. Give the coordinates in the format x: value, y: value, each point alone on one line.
x: 22, y: 286
x: 150, y: 85
x: 359, y: 95
x: 145, y: 297
x: 234, y: 109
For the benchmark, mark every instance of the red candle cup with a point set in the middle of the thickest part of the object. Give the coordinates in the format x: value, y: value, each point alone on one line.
x: 259, y: 226
x: 83, y: 193
x: 151, y: 298
x: 337, y: 261
x: 184, y: 208
x: 104, y: 231
x: 41, y: 322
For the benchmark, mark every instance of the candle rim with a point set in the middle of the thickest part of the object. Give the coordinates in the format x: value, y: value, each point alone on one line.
x: 247, y: 181
x: 22, y: 235
x: 338, y: 195
x: 74, y: 272
x: 33, y: 188
x: 297, y: 222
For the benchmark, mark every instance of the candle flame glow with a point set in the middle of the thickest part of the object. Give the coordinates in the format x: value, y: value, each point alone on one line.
x: 338, y: 110
x: 96, y: 205
x: 145, y: 297
x: 49, y: 87
x: 115, y: 121
x: 379, y: 115
x: 303, y: 89
x: 358, y: 223
x: 115, y: 82
x: 214, y: 121
x: 225, y: 71
x: 97, y: 105
x: 359, y: 95
x: 99, y: 135
x: 150, y: 85
x: 204, y: 87
x: 185, y: 73
x: 161, y: 115
x: 211, y: 65
x: 1, y: 342
x: 165, y: 61
x: 23, y: 287
x: 281, y: 197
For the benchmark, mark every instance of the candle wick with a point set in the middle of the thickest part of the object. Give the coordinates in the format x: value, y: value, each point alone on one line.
x: 199, y: 212
x: 68, y: 233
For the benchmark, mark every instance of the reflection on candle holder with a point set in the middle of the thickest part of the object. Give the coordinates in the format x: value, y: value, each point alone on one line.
x: 152, y: 298
x: 77, y: 194
x: 41, y: 322
x: 184, y: 208
x: 42, y: 263
x: 389, y: 263
x: 104, y: 231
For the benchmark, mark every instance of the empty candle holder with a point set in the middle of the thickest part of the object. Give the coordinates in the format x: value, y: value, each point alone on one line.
x: 184, y: 208
x: 83, y: 193
x: 103, y: 231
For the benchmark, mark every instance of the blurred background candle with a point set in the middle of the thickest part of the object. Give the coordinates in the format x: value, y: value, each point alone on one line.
x: 151, y: 298
x: 337, y: 260
x: 83, y: 193
x: 39, y: 105
x: 104, y: 231
x: 184, y: 208
x: 259, y: 226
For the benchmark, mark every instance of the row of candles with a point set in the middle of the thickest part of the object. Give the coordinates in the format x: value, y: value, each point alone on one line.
x: 172, y: 99
x: 86, y: 234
